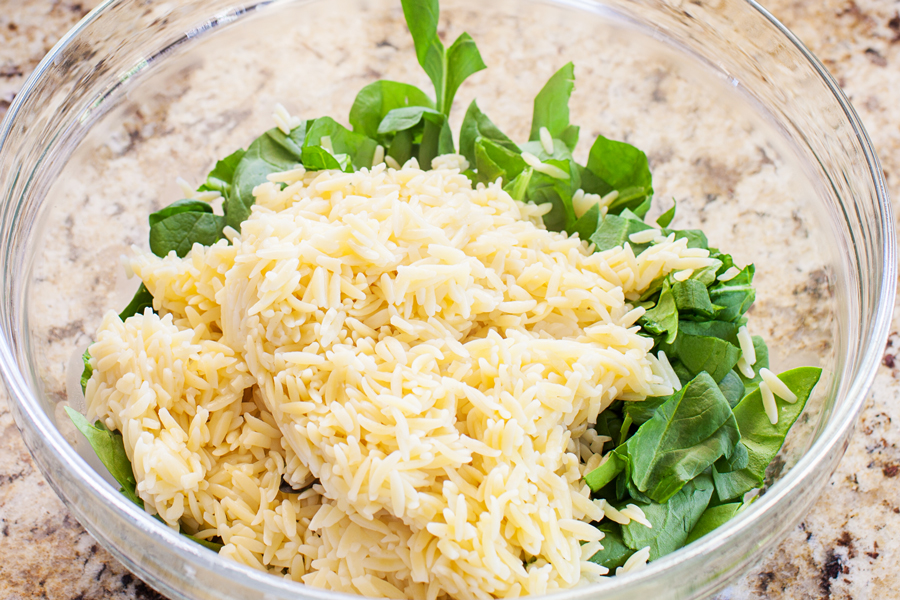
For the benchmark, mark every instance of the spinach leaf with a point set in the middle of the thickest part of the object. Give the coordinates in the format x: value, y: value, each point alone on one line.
x: 358, y: 147
x: 614, y: 553
x: 692, y: 298
x: 713, y: 517
x: 477, y: 125
x: 624, y: 168
x: 762, y: 361
x: 272, y: 152
x: 685, y: 436
x: 446, y: 69
x: 518, y: 187
x: 463, y: 60
x: 88, y: 370
x: 110, y: 450
x: 738, y: 460
x: 551, y: 108
x: 407, y: 117
x: 179, y: 206
x: 220, y: 178
x: 732, y: 388
x: 701, y: 353
x: 402, y: 147
x: 665, y: 219
x: 317, y: 158
x: 606, y: 472
x: 762, y: 439
x: 493, y: 160
x: 723, y: 330
x: 376, y: 100
x: 543, y: 188
x: 641, y: 412
x: 695, y: 238
x: 142, y: 299
x: 609, y: 423
x: 672, y: 521
x: 735, y: 296
x: 586, y: 225
x: 662, y: 318
x: 181, y: 231
x: 614, y: 230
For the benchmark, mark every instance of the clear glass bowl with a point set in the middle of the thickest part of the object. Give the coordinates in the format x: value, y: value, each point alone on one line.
x: 743, y: 127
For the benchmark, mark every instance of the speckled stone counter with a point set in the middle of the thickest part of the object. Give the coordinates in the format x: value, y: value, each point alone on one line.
x: 847, y: 547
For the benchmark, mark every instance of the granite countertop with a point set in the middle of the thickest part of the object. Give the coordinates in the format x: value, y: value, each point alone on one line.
x: 845, y: 548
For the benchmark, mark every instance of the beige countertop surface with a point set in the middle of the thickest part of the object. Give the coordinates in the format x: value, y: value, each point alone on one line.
x: 847, y: 547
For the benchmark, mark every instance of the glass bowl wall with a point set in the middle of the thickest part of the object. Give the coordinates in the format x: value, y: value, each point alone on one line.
x: 742, y: 126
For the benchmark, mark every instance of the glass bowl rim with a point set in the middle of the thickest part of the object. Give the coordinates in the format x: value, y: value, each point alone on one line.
x: 841, y: 422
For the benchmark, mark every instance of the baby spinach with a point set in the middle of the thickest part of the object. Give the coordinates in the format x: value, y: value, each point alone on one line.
x: 376, y: 100
x: 762, y: 439
x: 110, y: 449
x: 624, y: 168
x: 703, y: 353
x: 177, y: 207
x: 735, y: 296
x: 662, y: 318
x: 271, y: 152
x: 672, y: 520
x: 179, y: 232
x: 692, y: 298
x: 476, y: 125
x: 551, y: 108
x: 606, y: 472
x: 732, y: 388
x: 88, y: 370
x: 142, y: 299
x: 665, y: 219
x: 614, y: 553
x: 544, y: 189
x: 358, y: 147
x: 683, y: 438
x: 713, y: 517
x: 586, y: 225
x: 724, y: 330
x: 447, y: 69
x: 493, y: 160
x: 614, y: 230
x: 220, y: 178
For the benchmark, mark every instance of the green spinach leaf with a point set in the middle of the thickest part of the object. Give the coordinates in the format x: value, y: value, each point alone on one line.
x: 732, y: 388
x: 624, y: 168
x: 551, y: 108
x: 665, y: 219
x: 543, y: 188
x: 493, y: 160
x: 518, y: 187
x: 88, y: 370
x: 662, y: 319
x: 477, y: 125
x: 446, y: 69
x: 672, y: 521
x: 762, y: 439
x: 142, y: 299
x: 614, y: 553
x: 692, y: 298
x: 179, y: 206
x: 220, y: 178
x: 376, y: 100
x: 110, y: 450
x: 317, y: 158
x: 735, y: 296
x: 358, y: 147
x: 614, y: 230
x: 712, y: 518
x: 179, y: 232
x: 685, y: 436
x: 700, y: 353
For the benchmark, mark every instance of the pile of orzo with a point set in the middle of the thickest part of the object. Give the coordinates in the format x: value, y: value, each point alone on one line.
x: 384, y: 384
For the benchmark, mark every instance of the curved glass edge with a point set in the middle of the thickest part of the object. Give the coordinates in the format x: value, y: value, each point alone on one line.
x: 44, y: 438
